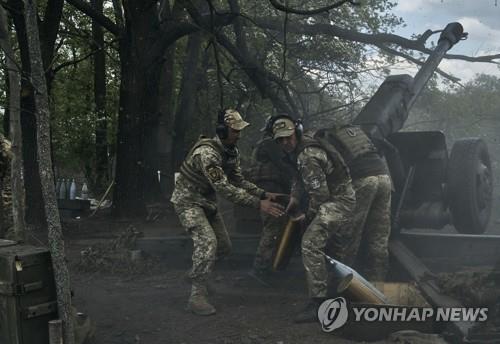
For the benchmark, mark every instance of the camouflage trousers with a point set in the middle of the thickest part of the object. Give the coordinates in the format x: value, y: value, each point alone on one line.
x: 210, y: 239
x: 371, y: 226
x: 271, y: 229
x: 331, y: 226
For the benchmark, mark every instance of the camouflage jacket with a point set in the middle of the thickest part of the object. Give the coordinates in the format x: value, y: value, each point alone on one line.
x: 271, y: 168
x: 315, y: 168
x: 209, y: 169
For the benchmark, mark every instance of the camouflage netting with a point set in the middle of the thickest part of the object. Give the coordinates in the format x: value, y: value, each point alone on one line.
x: 116, y: 256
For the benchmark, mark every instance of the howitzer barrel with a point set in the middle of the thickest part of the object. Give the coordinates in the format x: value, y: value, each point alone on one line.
x: 388, y: 109
x: 452, y: 33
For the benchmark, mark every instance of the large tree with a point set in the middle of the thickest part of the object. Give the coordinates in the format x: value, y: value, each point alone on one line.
x: 13, y: 128
x: 49, y: 27
x: 42, y: 113
x: 254, y: 54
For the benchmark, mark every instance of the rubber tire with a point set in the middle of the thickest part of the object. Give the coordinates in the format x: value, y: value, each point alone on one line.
x: 470, y: 186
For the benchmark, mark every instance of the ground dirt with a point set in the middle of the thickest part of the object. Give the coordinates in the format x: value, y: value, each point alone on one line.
x: 144, y: 302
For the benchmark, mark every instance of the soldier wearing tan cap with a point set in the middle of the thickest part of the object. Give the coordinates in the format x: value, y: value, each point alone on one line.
x: 324, y: 178
x: 212, y: 167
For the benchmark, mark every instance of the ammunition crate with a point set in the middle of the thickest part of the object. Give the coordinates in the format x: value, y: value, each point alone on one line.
x: 27, y: 294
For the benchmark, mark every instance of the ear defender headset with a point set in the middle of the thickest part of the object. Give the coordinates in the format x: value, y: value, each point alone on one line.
x: 221, y: 128
x: 299, y: 127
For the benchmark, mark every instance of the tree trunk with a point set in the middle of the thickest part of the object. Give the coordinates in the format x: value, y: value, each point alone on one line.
x: 49, y: 28
x: 164, y: 137
x: 56, y: 242
x: 136, y: 161
x: 35, y: 214
x: 186, y: 102
x: 166, y: 105
x: 144, y: 40
x: 101, y: 129
x: 14, y: 91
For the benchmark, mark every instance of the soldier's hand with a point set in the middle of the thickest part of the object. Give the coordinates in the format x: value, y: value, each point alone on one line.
x: 271, y: 208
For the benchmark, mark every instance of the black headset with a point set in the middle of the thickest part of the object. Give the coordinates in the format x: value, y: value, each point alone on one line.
x: 221, y: 128
x: 299, y: 127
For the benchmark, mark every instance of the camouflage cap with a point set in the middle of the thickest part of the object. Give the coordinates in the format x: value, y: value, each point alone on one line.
x: 283, y: 127
x: 233, y: 120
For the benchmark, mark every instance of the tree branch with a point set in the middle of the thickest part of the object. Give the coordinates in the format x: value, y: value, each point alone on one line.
x: 86, y: 8
x: 50, y: 27
x: 78, y: 60
x: 279, y: 6
x: 177, y: 29
x: 335, y: 108
x: 273, y: 23
x: 418, y: 62
x: 238, y: 27
x: 257, y: 73
x: 260, y: 77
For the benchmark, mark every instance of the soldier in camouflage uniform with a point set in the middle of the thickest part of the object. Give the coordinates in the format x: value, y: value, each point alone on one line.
x: 271, y: 172
x: 6, y: 225
x: 212, y: 167
x: 372, y: 183
x: 372, y: 226
x: 325, y: 178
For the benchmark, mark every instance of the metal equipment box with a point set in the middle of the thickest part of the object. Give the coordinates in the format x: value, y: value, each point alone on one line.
x: 27, y: 294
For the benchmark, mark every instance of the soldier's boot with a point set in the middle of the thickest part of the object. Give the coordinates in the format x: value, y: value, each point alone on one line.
x: 310, y: 312
x: 209, y: 284
x: 198, y: 301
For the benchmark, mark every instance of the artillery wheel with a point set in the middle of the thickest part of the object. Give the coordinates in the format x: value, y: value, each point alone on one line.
x: 470, y: 185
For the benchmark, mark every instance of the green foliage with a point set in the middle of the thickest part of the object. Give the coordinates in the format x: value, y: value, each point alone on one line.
x: 319, y: 71
x: 459, y: 111
x: 469, y: 111
x: 72, y: 98
x: 314, y: 62
x: 73, y: 117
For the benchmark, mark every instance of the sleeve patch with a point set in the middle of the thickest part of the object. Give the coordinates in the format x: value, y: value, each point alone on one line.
x: 215, y: 173
x: 315, y: 183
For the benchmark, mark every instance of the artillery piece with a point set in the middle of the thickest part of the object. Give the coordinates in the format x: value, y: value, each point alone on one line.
x: 432, y: 188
